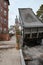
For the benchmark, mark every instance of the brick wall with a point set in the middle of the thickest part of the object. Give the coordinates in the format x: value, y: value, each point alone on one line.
x: 4, y: 37
x: 4, y: 19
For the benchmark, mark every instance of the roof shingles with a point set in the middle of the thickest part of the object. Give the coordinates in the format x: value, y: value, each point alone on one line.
x: 29, y: 19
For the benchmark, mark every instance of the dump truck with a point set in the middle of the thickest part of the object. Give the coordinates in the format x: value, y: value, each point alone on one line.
x: 31, y: 27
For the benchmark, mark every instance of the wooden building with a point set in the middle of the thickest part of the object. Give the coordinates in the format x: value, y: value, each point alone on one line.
x: 32, y: 27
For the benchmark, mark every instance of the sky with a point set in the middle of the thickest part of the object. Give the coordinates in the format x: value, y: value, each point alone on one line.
x: 15, y: 4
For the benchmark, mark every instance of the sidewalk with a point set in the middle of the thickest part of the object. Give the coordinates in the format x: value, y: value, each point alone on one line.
x: 10, y: 57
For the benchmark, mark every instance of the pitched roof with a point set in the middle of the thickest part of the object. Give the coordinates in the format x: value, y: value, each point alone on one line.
x: 28, y: 18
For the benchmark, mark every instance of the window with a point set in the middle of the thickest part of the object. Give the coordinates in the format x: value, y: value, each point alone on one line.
x: 0, y: 29
x: 34, y: 35
x: 5, y: 4
x: 4, y: 29
x: 5, y: 13
x: 1, y: 19
x: 4, y: 20
x: 1, y: 8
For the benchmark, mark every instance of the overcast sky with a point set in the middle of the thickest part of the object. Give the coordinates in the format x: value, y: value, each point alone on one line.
x: 15, y: 4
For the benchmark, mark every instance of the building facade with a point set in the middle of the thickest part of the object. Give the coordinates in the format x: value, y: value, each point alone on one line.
x: 4, y: 19
x: 32, y: 27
